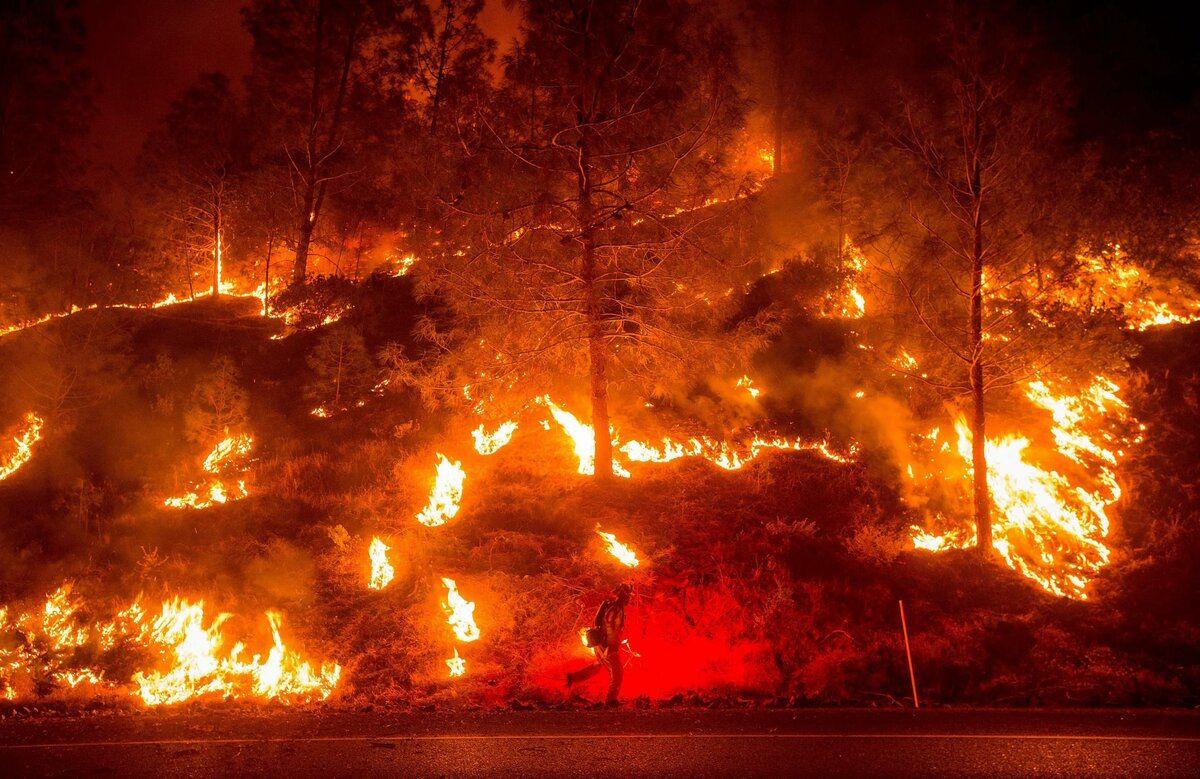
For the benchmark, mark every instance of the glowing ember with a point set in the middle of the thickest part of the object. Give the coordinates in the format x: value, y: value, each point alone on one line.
x: 456, y: 664
x: 29, y: 434
x: 193, y: 663
x: 490, y: 443
x: 446, y: 495
x: 1047, y: 526
x: 228, y: 454
x: 460, y: 613
x: 382, y: 571
x: 621, y: 552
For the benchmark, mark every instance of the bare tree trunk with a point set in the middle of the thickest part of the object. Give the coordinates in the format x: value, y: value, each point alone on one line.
x: 315, y: 180
x: 781, y: 12
x: 266, y: 298
x: 307, y: 223
x: 983, y: 503
x: 597, y: 349
x: 217, y: 251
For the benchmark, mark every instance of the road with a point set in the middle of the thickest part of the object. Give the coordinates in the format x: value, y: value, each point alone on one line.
x: 798, y: 742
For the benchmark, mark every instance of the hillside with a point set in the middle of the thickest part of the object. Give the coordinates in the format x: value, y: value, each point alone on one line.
x: 777, y: 582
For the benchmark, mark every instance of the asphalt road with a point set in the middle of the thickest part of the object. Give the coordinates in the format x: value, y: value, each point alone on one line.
x: 806, y: 742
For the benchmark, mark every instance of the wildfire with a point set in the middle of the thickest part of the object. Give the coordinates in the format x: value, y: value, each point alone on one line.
x: 456, y: 664
x: 29, y: 434
x: 582, y: 438
x: 748, y: 384
x: 460, y: 612
x: 847, y: 302
x: 446, y: 495
x: 1049, y: 526
x: 402, y: 265
x: 624, y: 555
x: 725, y: 455
x: 490, y: 443
x: 198, y: 667
x: 1109, y: 279
x: 190, y: 656
x: 229, y: 452
x: 382, y: 571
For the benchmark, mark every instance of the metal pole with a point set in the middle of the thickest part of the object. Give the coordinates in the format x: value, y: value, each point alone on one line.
x: 908, y: 652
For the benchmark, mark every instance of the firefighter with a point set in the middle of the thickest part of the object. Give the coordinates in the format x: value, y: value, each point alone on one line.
x: 605, y: 637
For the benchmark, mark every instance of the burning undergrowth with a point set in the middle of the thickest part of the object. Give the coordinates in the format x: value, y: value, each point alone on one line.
x: 766, y: 564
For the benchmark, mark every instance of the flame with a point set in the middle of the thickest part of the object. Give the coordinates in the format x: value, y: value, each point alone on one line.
x: 228, y: 453
x: 446, y: 495
x: 582, y: 438
x: 189, y: 652
x: 724, y: 454
x: 199, y: 668
x: 1109, y: 279
x: 382, y: 571
x: 402, y: 264
x: 624, y: 555
x: 846, y: 301
x: 490, y: 443
x: 456, y: 664
x: 1048, y: 526
x: 748, y: 384
x: 23, y: 443
x: 460, y: 612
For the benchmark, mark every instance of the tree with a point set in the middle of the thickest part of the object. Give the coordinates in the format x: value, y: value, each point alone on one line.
x: 193, y: 166
x: 972, y: 263
x: 452, y: 57
x: 591, y: 254
x: 46, y: 216
x: 44, y: 105
x: 327, y: 76
x: 219, y: 404
x: 341, y: 366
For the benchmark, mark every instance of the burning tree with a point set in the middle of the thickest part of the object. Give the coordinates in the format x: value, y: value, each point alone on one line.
x: 193, y: 167
x: 328, y: 80
x: 452, y: 58
x: 975, y: 252
x: 592, y: 216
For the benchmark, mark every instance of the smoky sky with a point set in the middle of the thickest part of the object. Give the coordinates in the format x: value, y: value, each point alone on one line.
x: 142, y: 54
x: 1135, y: 66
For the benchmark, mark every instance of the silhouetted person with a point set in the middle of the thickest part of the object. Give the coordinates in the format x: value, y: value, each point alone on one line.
x: 606, y: 636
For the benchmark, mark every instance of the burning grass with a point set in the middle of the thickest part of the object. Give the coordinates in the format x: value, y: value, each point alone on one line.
x: 182, y: 656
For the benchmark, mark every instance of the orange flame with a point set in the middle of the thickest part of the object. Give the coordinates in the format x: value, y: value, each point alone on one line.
x: 582, y: 438
x: 23, y: 443
x: 748, y: 383
x: 624, y: 555
x: 190, y: 651
x: 456, y: 664
x: 382, y: 571
x: 460, y: 612
x: 1046, y: 526
x: 446, y: 495
x: 227, y: 453
x: 490, y: 443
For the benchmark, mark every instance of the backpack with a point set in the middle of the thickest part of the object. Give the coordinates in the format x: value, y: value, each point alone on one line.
x: 593, y: 637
